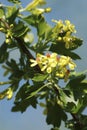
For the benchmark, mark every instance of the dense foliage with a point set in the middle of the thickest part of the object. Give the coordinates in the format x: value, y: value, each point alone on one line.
x: 45, y: 66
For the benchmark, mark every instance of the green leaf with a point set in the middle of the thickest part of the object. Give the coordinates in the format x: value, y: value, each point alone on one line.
x: 24, y: 104
x: 3, y: 53
x: 26, y: 91
x: 1, y: 12
x: 20, y: 29
x: 21, y: 94
x: 39, y: 77
x: 34, y: 93
x: 55, y: 114
x: 60, y: 49
x: 11, y: 13
x: 78, y: 86
x: 32, y: 20
x: 21, y: 100
x: 26, y: 96
x: 77, y: 42
x: 40, y: 47
x: 13, y: 68
x: 77, y: 78
x: 43, y: 28
x: 68, y: 100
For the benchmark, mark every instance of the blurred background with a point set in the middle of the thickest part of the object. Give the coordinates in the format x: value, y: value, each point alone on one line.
x: 33, y: 119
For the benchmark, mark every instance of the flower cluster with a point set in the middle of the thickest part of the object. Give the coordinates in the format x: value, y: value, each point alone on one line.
x: 66, y: 26
x: 63, y: 32
x: 54, y: 64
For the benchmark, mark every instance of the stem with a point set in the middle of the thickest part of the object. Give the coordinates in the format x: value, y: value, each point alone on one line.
x: 77, y: 119
x: 5, y: 23
x: 21, y: 45
x: 26, y: 51
x: 24, y: 48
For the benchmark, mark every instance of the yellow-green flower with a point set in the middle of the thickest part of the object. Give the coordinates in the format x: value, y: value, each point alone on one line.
x: 61, y: 72
x: 34, y: 62
x: 66, y: 61
x: 45, y: 62
x: 52, y: 63
x: 70, y: 26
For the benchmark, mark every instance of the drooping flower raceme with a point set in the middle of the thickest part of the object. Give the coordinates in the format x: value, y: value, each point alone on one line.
x: 60, y: 66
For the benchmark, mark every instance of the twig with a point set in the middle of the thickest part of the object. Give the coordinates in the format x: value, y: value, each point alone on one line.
x: 26, y: 51
x: 5, y: 23
x: 21, y: 45
x: 78, y: 122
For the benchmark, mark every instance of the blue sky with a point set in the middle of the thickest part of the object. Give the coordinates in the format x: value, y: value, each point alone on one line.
x: 76, y: 12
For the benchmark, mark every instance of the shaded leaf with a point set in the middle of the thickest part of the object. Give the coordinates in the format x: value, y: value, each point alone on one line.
x: 60, y: 49
x: 3, y: 53
x: 78, y: 86
x: 76, y: 78
x: 22, y: 101
x: 55, y: 114
x: 77, y: 43
x: 24, y: 104
x: 34, y: 93
x: 26, y: 91
x: 20, y: 29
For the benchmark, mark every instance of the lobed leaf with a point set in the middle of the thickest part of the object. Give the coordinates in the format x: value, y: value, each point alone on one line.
x: 60, y: 49
x: 55, y: 114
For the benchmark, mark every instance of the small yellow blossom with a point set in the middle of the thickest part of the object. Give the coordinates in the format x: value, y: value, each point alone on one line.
x: 52, y: 63
x: 62, y: 31
x: 70, y: 26
x: 34, y: 62
x: 9, y: 93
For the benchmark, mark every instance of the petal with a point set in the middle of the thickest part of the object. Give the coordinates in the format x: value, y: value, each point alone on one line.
x: 34, y: 62
x: 43, y: 68
x: 49, y: 70
x: 72, y: 65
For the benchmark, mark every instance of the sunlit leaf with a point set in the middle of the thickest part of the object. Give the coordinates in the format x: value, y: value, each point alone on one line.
x: 39, y: 77
x: 11, y: 13
x: 43, y: 28
x: 1, y: 12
